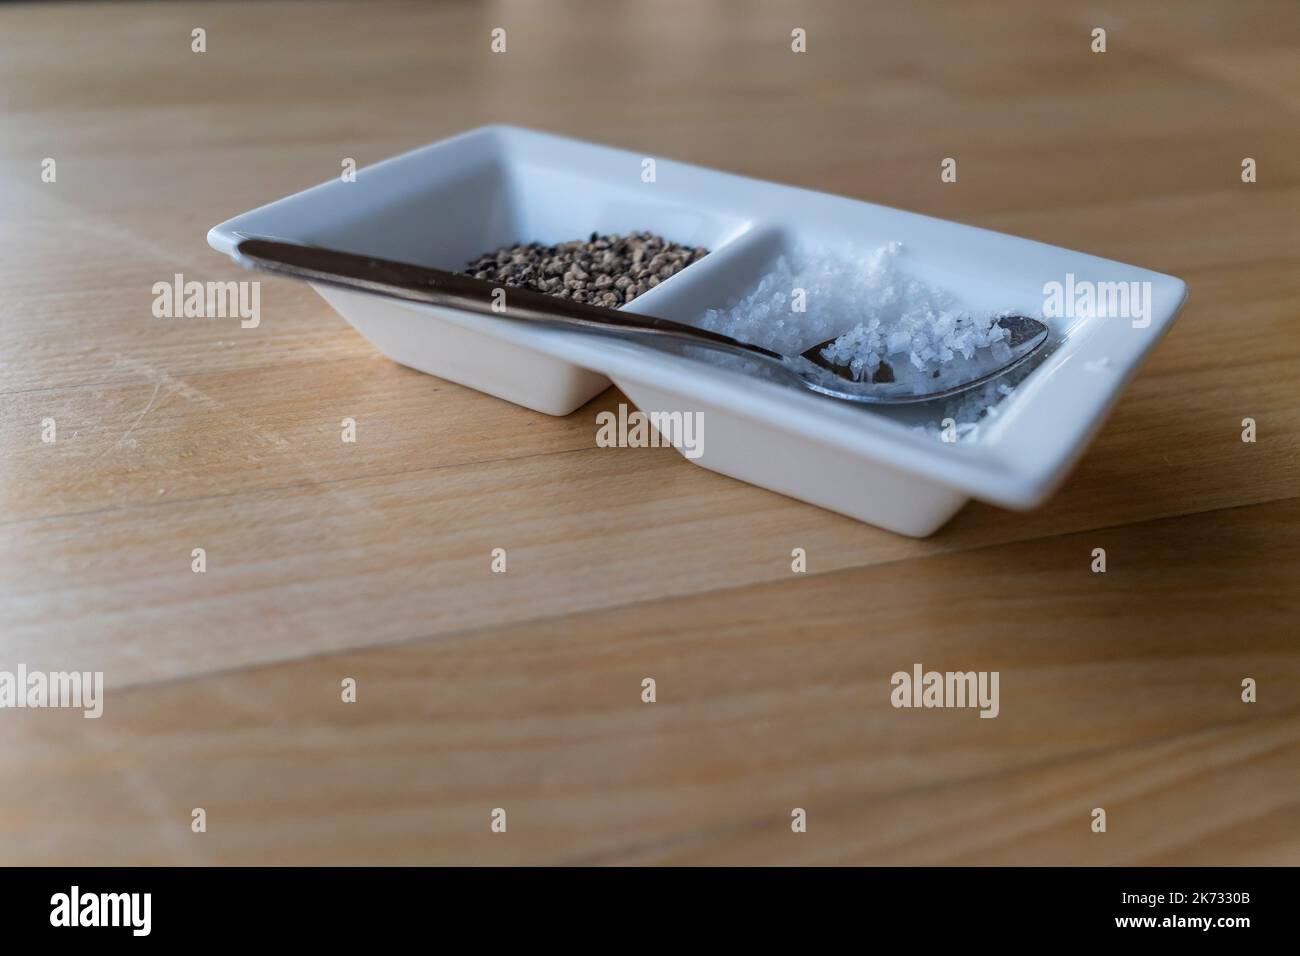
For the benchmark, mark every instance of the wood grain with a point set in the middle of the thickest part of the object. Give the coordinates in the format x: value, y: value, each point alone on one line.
x: 478, y: 690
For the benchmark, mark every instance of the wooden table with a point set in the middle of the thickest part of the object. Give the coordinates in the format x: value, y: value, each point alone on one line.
x: 522, y: 690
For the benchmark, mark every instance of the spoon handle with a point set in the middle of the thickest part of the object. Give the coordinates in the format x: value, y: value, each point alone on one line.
x: 414, y: 283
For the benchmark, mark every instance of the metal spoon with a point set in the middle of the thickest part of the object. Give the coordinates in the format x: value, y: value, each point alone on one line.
x: 889, y: 385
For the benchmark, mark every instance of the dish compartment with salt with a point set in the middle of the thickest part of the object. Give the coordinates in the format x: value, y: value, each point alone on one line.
x: 785, y: 268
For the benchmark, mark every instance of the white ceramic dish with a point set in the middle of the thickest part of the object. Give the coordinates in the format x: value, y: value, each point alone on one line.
x: 449, y: 202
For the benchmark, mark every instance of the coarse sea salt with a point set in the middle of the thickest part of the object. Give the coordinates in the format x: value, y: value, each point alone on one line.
x: 967, y: 414
x: 878, y: 313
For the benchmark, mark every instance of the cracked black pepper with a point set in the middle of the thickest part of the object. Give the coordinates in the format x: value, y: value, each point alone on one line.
x: 602, y: 270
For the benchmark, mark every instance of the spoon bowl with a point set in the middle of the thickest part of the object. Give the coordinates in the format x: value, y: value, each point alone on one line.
x: 906, y: 384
